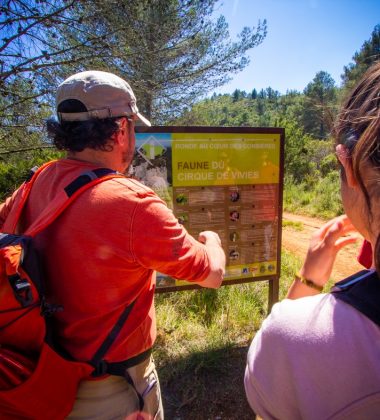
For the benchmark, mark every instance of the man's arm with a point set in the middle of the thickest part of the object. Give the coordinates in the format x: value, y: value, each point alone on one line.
x: 169, y: 249
x: 216, y: 257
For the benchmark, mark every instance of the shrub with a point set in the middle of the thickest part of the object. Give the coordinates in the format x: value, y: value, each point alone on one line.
x: 14, y: 172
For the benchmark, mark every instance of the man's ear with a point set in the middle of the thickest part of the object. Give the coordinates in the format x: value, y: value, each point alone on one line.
x: 119, y: 137
x: 344, y: 158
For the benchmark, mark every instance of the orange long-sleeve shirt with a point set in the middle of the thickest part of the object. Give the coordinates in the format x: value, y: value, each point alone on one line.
x: 100, y: 255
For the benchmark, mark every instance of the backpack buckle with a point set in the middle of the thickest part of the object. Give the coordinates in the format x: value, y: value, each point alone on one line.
x: 21, y: 289
x: 48, y: 309
x: 100, y: 368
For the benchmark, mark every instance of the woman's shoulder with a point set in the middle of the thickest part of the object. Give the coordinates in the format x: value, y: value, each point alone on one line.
x: 307, y: 342
x: 320, y: 317
x: 300, y: 314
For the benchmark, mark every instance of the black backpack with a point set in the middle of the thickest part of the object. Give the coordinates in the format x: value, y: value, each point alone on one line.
x: 362, y: 291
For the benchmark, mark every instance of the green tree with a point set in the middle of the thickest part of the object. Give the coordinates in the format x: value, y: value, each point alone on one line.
x: 172, y: 51
x: 320, y: 105
x: 271, y: 94
x: 238, y: 95
x: 22, y: 116
x: 297, y: 159
x: 368, y: 54
x: 28, y: 56
x: 262, y: 94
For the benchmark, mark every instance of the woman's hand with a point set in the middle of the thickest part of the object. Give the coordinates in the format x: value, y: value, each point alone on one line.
x: 320, y: 257
x: 323, y: 248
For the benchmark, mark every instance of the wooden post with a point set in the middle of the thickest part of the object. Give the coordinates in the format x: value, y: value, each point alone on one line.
x: 273, y: 292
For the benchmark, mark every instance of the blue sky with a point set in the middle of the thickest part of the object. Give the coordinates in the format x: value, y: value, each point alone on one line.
x: 304, y: 37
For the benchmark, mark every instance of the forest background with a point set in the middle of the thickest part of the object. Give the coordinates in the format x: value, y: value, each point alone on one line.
x: 174, y: 53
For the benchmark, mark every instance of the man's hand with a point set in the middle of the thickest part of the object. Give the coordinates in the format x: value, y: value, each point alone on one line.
x: 208, y: 236
x: 216, y: 257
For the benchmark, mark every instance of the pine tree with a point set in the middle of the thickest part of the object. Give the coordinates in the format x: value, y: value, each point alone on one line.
x: 171, y: 51
x: 368, y: 54
x: 28, y: 54
x: 319, y: 105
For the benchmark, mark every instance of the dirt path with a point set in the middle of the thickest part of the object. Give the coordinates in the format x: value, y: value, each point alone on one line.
x: 297, y: 242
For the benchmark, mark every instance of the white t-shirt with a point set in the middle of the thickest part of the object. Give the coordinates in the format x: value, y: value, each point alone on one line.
x: 315, y: 358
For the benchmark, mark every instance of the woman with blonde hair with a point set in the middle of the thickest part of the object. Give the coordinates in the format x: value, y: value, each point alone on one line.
x: 317, y: 355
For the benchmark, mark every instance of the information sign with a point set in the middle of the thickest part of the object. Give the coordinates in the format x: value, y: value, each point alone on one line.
x: 228, y: 180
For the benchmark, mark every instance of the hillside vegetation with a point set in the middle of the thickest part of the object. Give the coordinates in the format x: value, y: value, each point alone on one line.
x: 310, y: 164
x: 311, y: 179
x: 311, y: 176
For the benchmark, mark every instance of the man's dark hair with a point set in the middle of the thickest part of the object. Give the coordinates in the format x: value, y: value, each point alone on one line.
x: 75, y: 136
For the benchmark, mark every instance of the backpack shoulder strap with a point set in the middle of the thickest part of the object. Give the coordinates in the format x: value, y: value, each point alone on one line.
x: 21, y: 197
x: 71, y: 192
x: 362, y: 291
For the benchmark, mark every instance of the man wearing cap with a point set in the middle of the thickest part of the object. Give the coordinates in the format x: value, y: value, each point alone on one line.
x: 102, y: 252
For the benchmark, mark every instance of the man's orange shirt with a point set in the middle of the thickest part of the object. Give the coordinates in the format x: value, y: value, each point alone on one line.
x: 100, y: 255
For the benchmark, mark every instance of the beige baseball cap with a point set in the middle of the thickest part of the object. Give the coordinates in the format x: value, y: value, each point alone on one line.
x: 104, y: 94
